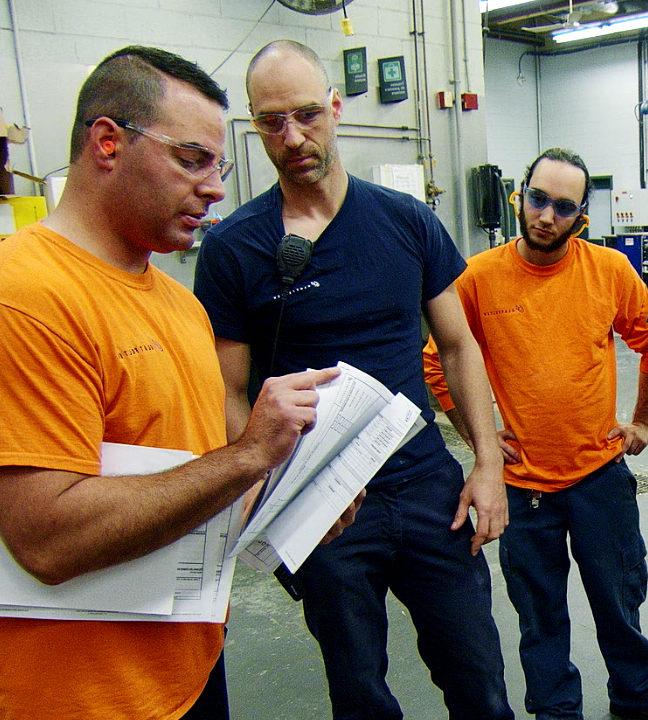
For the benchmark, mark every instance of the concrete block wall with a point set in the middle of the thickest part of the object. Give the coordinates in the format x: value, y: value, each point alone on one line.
x: 511, y: 107
x: 587, y: 104
x: 588, y: 101
x: 61, y: 40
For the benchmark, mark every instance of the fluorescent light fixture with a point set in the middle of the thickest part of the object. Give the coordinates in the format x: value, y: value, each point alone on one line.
x: 485, y: 5
x: 607, y: 27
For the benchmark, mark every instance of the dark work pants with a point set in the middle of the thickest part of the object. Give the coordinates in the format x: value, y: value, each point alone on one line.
x: 401, y: 540
x: 601, y: 517
x: 212, y: 703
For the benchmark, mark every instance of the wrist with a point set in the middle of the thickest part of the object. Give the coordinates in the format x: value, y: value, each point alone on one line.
x: 489, y: 456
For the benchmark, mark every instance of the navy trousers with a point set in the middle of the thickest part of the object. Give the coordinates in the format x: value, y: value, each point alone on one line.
x: 401, y: 541
x: 601, y: 518
x: 212, y: 703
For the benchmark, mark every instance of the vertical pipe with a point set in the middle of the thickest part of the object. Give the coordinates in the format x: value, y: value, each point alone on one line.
x: 419, y: 119
x: 235, y: 157
x: 538, y: 79
x: 641, y: 61
x: 462, y: 213
x: 23, y: 94
x: 465, y: 48
x: 428, y: 123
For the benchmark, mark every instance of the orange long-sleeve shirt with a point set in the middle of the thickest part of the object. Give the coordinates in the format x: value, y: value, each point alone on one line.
x: 546, y: 334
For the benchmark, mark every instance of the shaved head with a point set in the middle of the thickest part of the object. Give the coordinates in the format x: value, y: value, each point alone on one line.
x: 276, y: 49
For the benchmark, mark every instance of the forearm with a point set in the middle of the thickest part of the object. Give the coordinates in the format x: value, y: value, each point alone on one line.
x: 91, y: 522
x: 457, y: 422
x: 464, y: 370
x: 640, y: 415
x: 59, y: 524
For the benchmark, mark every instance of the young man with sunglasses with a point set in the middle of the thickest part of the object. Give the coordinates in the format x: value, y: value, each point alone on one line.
x: 377, y: 257
x: 543, y: 308
x: 100, y: 346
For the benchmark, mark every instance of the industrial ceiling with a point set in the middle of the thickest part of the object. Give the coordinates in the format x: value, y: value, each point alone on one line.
x: 540, y: 22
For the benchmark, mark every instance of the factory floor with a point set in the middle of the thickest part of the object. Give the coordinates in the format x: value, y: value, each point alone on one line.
x: 274, y: 667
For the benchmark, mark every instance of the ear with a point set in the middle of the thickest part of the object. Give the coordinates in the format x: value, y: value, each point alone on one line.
x: 104, y: 141
x: 515, y: 198
x: 336, y: 104
x: 584, y: 219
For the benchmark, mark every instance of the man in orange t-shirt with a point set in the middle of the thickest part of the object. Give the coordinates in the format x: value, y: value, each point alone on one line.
x: 543, y: 309
x: 98, y: 345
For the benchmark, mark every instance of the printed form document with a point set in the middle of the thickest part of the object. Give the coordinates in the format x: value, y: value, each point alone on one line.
x: 360, y: 423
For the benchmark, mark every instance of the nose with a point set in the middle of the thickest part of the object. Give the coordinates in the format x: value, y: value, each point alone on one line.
x: 292, y: 134
x: 548, y: 214
x: 211, y: 187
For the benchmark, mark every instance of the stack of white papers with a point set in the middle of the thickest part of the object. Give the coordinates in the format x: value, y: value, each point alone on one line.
x: 186, y: 581
x: 360, y: 424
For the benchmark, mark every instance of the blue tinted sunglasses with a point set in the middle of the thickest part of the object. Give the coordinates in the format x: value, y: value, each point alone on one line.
x: 539, y: 200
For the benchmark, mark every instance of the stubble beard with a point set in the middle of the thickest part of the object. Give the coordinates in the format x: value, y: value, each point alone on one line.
x: 547, y: 248
x: 325, y: 155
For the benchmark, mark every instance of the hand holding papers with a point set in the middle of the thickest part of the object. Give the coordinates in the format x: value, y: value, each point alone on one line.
x: 360, y: 423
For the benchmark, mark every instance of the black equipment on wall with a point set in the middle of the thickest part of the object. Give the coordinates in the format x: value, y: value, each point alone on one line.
x: 490, y: 200
x: 486, y: 185
x: 315, y: 7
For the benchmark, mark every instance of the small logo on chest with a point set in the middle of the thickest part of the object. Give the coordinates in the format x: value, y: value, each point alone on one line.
x: 504, y: 311
x: 297, y: 289
x: 150, y: 346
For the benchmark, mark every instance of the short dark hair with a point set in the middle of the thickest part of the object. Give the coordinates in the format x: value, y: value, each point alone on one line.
x: 310, y: 55
x: 130, y: 83
x: 561, y: 155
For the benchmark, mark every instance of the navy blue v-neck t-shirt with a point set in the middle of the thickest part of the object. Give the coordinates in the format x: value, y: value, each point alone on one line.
x: 372, y: 270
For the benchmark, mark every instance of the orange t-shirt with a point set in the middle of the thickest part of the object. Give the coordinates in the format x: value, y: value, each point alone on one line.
x: 90, y: 354
x: 546, y: 334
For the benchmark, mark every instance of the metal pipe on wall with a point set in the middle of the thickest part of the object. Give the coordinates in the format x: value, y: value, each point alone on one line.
x: 642, y: 59
x: 237, y: 177
x: 423, y: 100
x: 417, y: 77
x: 538, y: 80
x: 461, y: 200
x: 23, y: 94
x: 426, y: 104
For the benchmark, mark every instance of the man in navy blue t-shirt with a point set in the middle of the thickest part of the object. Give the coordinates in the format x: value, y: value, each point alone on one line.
x: 379, y: 257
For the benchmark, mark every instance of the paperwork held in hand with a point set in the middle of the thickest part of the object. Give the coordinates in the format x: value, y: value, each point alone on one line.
x: 186, y: 581
x: 360, y: 424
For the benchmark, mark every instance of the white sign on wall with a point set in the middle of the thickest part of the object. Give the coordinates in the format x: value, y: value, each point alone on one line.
x: 406, y: 178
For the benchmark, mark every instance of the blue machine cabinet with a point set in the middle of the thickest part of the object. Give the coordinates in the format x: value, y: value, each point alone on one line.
x: 635, y: 247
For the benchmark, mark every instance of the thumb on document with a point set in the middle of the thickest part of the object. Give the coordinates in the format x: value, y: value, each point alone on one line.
x: 283, y: 411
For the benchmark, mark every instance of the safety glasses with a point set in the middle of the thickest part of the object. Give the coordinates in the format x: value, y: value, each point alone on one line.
x: 305, y: 118
x: 539, y: 200
x: 196, y: 160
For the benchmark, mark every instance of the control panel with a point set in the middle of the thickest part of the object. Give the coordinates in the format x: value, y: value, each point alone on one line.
x: 629, y: 207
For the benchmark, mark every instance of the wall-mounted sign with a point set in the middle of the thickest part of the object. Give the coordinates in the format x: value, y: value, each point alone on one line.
x: 391, y: 76
x: 355, y: 71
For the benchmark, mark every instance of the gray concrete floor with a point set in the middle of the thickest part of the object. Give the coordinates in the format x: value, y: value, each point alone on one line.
x: 274, y: 667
